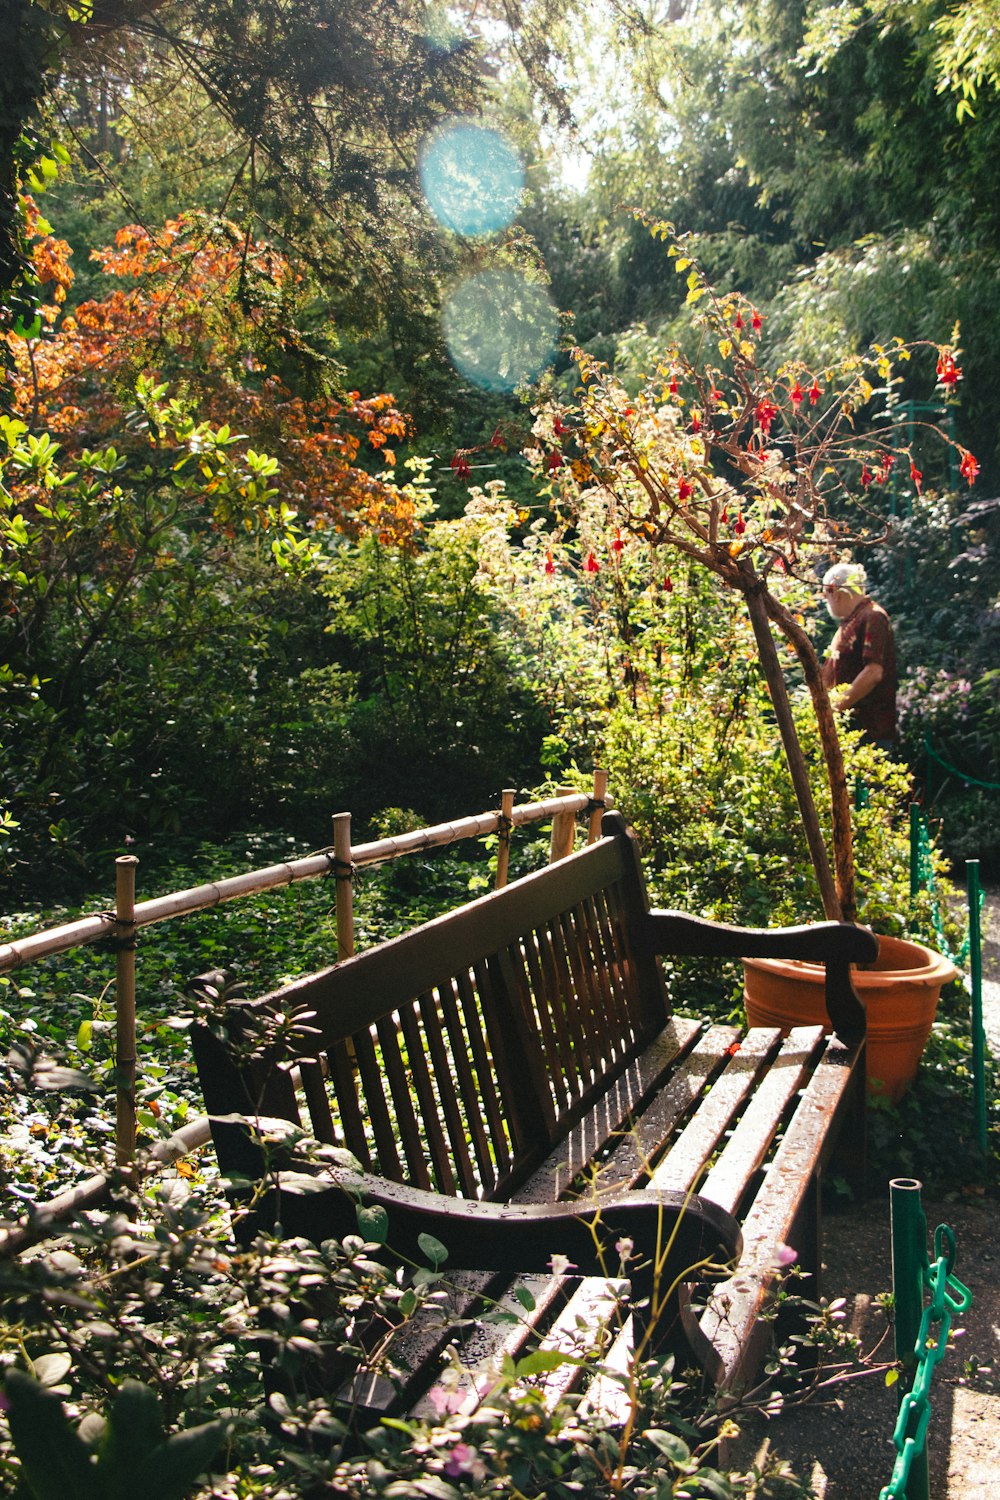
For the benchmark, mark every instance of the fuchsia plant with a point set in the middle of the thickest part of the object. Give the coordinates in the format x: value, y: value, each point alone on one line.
x: 756, y: 473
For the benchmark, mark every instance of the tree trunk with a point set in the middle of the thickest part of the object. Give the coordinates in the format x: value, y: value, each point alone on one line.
x: 773, y: 675
x: 836, y: 775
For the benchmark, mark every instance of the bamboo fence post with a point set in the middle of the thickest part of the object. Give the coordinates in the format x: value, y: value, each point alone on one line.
x: 125, y: 1058
x: 343, y: 870
x: 505, y: 831
x: 563, y: 829
x: 600, y: 803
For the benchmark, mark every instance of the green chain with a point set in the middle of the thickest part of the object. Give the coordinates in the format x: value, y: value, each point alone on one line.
x: 966, y: 780
x: 925, y: 875
x: 948, y: 1297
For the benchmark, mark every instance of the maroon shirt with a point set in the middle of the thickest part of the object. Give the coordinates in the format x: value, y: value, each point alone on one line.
x: 864, y: 637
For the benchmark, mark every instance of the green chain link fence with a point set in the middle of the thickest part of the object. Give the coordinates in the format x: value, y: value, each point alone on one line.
x: 912, y: 1276
x: 922, y: 878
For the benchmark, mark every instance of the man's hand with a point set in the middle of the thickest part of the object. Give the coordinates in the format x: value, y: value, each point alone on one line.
x: 868, y: 678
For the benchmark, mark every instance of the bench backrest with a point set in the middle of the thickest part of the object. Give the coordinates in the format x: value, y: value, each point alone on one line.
x: 455, y: 1057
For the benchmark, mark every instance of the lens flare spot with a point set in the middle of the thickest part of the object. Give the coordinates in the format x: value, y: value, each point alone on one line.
x: 500, y: 329
x: 472, y: 178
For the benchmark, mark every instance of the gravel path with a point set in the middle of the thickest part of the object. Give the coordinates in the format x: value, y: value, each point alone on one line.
x: 845, y: 1446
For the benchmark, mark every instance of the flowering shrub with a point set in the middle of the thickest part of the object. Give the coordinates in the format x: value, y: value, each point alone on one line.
x: 929, y: 701
x: 228, y: 1348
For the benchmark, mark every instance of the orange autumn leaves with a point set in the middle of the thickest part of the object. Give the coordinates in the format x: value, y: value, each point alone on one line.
x: 198, y: 306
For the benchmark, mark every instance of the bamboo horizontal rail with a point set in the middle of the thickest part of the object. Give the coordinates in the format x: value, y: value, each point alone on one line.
x: 45, y: 1219
x: 92, y: 929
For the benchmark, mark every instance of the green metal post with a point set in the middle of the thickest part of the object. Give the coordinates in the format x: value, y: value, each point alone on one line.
x: 976, y: 982
x: 909, y: 1258
x: 914, y: 849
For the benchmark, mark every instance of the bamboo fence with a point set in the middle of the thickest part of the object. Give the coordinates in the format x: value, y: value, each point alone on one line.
x: 118, y: 930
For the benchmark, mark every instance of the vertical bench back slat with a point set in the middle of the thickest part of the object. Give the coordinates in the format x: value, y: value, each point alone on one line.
x: 437, y: 1146
x: 499, y: 1135
x: 455, y: 1163
x: 314, y: 1089
x: 470, y: 1097
x: 340, y: 1059
x: 458, y: 1055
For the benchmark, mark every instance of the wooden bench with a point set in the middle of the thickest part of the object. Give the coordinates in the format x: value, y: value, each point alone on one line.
x: 513, y: 1079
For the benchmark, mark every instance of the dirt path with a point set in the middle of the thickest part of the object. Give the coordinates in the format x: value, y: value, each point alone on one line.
x: 845, y: 1446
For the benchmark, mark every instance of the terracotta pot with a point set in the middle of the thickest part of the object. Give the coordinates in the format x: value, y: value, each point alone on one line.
x: 900, y: 994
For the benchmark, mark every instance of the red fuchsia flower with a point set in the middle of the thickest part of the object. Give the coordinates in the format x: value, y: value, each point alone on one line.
x: 756, y: 321
x: 685, y: 489
x: 888, y: 459
x: 558, y: 428
x: 948, y: 372
x: 591, y: 565
x: 725, y: 514
x: 695, y: 421
x: 814, y: 392
x: 969, y: 467
x: 866, y: 476
x: 780, y: 566
x: 916, y: 476
x: 796, y: 395
x: 460, y: 465
x: 617, y: 545
x: 715, y: 395
x: 550, y: 566
x: 554, y: 462
x: 497, y: 440
x: 765, y: 414
x: 738, y: 323
x: 668, y: 584
x: 739, y: 525
x: 672, y: 387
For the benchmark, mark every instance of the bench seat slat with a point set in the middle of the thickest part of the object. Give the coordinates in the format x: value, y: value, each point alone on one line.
x: 730, y: 1322
x: 630, y: 1162
x: 683, y: 1164
x: 728, y: 1180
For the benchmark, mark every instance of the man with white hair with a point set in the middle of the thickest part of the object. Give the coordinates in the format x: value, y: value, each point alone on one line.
x: 862, y: 657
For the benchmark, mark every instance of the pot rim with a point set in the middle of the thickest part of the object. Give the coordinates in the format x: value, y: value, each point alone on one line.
x: 936, y: 968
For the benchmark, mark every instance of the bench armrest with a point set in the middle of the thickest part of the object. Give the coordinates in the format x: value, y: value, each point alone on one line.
x: 837, y: 945
x: 511, y: 1238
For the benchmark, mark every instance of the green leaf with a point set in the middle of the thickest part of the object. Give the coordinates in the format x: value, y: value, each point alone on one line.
x: 55, y: 1462
x: 84, y: 1035
x: 433, y: 1249
x: 134, y: 1431
x: 171, y: 1469
x: 891, y: 1376
x: 545, y: 1359
x: 373, y: 1222
x: 669, y: 1444
x: 525, y: 1298
x: 50, y: 1368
